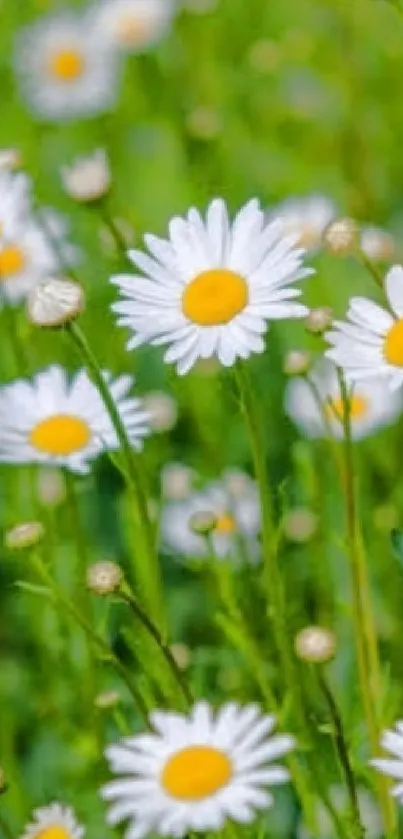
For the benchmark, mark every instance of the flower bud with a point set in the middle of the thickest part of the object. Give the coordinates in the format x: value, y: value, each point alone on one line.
x: 177, y: 481
x: 315, y: 644
x: 10, y: 159
x: 88, y: 178
x: 104, y: 577
x: 162, y: 410
x: 55, y: 302
x: 204, y: 123
x: 297, y: 363
x: 319, y: 320
x: 181, y: 654
x: 203, y: 523
x: 107, y: 699
x: 300, y: 525
x: 25, y: 535
x: 341, y: 236
x: 377, y: 244
x: 50, y: 487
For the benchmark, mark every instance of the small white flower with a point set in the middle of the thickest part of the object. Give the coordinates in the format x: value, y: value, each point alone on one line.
x: 59, y: 422
x: 87, y: 178
x: 66, y: 69
x: 30, y: 252
x: 15, y: 200
x: 392, y: 767
x: 238, y: 521
x: 55, y: 302
x: 369, y: 345
x: 193, y: 772
x: 377, y: 244
x: 54, y: 822
x: 306, y: 217
x: 134, y: 25
x: 316, y: 406
x: 211, y: 288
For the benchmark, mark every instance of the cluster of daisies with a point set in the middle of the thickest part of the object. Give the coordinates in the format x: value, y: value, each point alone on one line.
x: 210, y: 290
x: 68, y: 64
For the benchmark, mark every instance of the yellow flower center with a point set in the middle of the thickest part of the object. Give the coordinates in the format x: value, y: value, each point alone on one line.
x: 67, y: 65
x: 393, y: 347
x: 358, y: 407
x: 132, y: 30
x: 12, y: 261
x: 53, y: 832
x: 196, y: 772
x: 226, y: 524
x: 60, y: 435
x: 215, y: 297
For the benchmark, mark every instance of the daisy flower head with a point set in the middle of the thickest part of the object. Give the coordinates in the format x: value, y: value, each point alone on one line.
x: 30, y: 252
x: 392, y: 767
x: 369, y: 344
x: 195, y: 771
x: 62, y: 422
x: 65, y: 68
x: 307, y: 217
x: 15, y: 200
x: 210, y: 289
x: 134, y: 25
x: 314, y: 403
x: 237, y: 522
x: 53, y: 822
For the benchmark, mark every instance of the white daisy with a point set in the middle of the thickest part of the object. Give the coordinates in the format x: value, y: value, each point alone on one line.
x: 316, y: 406
x: 237, y: 515
x: 307, y: 217
x: 392, y: 767
x: 369, y: 344
x: 195, y: 771
x: 54, y: 421
x: 210, y: 288
x: 66, y: 69
x: 134, y: 25
x: 31, y: 251
x: 54, y: 822
x: 15, y: 200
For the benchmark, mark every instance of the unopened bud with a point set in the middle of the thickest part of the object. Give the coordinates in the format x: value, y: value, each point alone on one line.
x: 181, y: 654
x: 55, y: 302
x: 203, y: 523
x: 177, y: 481
x: 51, y: 487
x: 300, y: 525
x: 104, y: 577
x: 204, y: 123
x: 297, y: 363
x: 315, y: 644
x: 25, y: 535
x: 88, y: 178
x: 377, y: 244
x: 107, y: 699
x: 342, y: 236
x: 319, y: 320
x: 10, y: 159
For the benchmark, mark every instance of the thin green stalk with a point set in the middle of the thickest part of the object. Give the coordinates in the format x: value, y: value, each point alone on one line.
x: 148, y: 569
x: 128, y: 597
x: 342, y: 750
x: 5, y: 830
x: 369, y: 265
x: 98, y: 641
x: 109, y: 222
x: 363, y: 619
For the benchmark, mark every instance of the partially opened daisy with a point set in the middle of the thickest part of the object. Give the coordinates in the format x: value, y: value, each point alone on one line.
x: 30, y: 252
x: 53, y: 822
x: 193, y: 772
x: 369, y: 345
x: 392, y: 767
x: 66, y: 69
x: 212, y: 286
x: 307, y: 217
x: 316, y: 406
x: 237, y: 521
x: 60, y: 422
x: 133, y: 25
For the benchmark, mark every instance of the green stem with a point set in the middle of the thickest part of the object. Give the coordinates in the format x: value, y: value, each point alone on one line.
x: 343, y: 753
x: 127, y: 596
x: 148, y: 570
x: 121, y: 245
x: 367, y: 653
x: 369, y: 265
x: 97, y: 640
x: 5, y: 829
